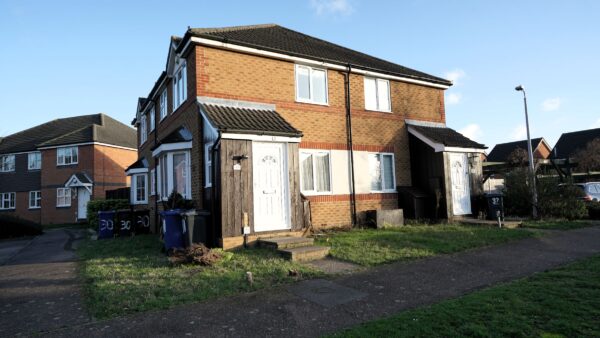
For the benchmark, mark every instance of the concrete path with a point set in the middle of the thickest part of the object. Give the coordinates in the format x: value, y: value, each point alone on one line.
x: 316, y: 307
x: 9, y: 247
x: 39, y: 290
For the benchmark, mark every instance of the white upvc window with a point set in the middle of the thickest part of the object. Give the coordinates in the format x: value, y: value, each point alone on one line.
x: 152, y: 182
x: 143, y: 129
x: 208, y: 168
x: 139, y: 189
x: 163, y: 104
x: 63, y: 197
x: 152, y: 117
x: 7, y: 200
x: 315, y: 172
x: 174, y: 174
x: 180, y: 85
x: 34, y: 161
x: 311, y: 85
x: 35, y: 199
x: 381, y: 169
x: 7, y: 163
x: 377, y: 94
x: 67, y: 155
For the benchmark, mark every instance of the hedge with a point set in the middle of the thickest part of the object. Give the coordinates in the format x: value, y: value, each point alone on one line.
x: 103, y: 205
x: 11, y: 226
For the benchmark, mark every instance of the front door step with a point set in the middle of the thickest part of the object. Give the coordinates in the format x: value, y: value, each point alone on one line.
x: 278, y: 243
x: 305, y: 253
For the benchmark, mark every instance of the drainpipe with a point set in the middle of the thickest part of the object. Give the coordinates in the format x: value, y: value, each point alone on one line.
x: 349, y: 143
x: 213, y: 179
x: 156, y: 196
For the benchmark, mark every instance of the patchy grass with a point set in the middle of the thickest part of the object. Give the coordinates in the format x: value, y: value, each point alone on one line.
x: 378, y: 246
x: 127, y: 275
x: 559, y: 303
x: 559, y: 224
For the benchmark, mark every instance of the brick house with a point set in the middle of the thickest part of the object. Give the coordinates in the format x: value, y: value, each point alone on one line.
x: 500, y: 153
x: 250, y: 122
x: 49, y: 172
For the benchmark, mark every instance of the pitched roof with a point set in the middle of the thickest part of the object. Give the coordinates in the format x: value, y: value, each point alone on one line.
x: 241, y: 120
x: 447, y: 136
x: 275, y: 38
x: 141, y: 163
x: 569, y: 143
x: 86, y: 128
x: 501, y: 151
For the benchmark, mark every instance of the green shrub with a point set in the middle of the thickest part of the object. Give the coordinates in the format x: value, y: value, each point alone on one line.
x: 11, y: 226
x: 103, y: 205
x: 594, y: 210
x: 517, y: 194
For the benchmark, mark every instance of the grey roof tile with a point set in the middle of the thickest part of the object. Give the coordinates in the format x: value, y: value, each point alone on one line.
x: 501, y: 151
x: 448, y: 137
x: 568, y: 143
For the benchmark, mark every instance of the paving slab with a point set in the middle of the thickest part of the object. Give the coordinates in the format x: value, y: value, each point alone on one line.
x: 384, y: 290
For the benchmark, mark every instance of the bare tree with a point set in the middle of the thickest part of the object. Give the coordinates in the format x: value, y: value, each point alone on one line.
x: 518, y: 157
x: 588, y: 158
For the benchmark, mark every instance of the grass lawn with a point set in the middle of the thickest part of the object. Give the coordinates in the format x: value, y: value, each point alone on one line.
x: 370, y: 247
x: 559, y: 224
x: 131, y: 274
x: 559, y: 303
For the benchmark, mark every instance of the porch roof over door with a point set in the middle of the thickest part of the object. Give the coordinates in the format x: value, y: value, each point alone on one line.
x: 442, y: 138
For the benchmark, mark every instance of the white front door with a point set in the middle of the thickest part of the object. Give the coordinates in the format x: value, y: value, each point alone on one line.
x: 459, y: 178
x: 270, y: 176
x: 83, y: 197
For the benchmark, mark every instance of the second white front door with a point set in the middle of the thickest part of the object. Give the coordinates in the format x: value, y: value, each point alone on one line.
x: 459, y: 178
x: 270, y: 176
x: 83, y: 197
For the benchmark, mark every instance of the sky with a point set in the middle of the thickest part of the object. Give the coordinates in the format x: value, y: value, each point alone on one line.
x: 67, y: 58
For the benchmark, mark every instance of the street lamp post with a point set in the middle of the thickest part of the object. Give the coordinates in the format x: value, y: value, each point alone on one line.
x: 530, y: 153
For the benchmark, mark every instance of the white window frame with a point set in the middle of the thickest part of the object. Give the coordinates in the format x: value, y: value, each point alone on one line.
x: 180, y: 85
x: 66, y: 196
x: 383, y: 189
x: 314, y: 192
x: 152, y: 113
x: 166, y: 166
x: 34, y: 158
x: 152, y: 182
x: 310, y: 85
x: 162, y: 104
x: 143, y: 129
x: 377, y: 95
x: 37, y: 199
x: 74, y: 152
x: 207, y: 165
x: 11, y: 197
x: 7, y: 163
x: 134, y: 187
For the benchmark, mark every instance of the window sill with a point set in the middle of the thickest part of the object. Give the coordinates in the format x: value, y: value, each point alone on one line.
x: 70, y: 165
x: 8, y: 172
x: 34, y: 169
x: 383, y: 191
x: 139, y: 202
x: 325, y: 193
x: 63, y: 207
x: 35, y: 208
x: 11, y: 209
x: 311, y: 102
x: 378, y: 111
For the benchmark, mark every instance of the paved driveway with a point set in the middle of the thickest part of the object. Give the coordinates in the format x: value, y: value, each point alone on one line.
x: 38, y: 284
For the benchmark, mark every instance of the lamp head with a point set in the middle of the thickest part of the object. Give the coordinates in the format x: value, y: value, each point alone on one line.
x: 519, y: 88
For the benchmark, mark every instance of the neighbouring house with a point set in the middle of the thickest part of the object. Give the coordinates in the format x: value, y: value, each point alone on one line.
x: 48, y: 173
x: 254, y: 123
x: 569, y: 143
x: 501, y: 152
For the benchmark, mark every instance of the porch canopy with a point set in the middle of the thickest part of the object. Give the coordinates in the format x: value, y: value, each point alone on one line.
x: 138, y: 167
x: 79, y: 180
x: 443, y: 139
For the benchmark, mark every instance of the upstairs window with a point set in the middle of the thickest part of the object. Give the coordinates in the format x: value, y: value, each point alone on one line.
x: 152, y: 113
x: 163, y: 104
x: 35, y: 199
x: 143, y: 129
x: 7, y: 163
x: 180, y: 86
x: 315, y: 172
x: 7, y: 200
x: 377, y: 94
x: 34, y: 161
x: 63, y: 197
x: 67, y: 155
x: 311, y: 85
x: 381, y: 169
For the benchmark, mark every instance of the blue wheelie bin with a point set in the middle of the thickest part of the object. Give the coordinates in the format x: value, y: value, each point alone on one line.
x: 106, y: 224
x: 173, y: 229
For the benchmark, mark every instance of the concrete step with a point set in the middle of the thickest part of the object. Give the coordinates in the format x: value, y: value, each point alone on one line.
x: 305, y: 253
x: 278, y: 243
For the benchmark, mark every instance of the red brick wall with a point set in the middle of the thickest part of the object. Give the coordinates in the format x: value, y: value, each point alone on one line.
x: 22, y: 208
x: 109, y: 168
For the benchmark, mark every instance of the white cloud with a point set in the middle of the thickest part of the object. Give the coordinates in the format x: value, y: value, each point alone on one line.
x: 453, y: 98
x: 455, y: 75
x: 472, y: 131
x: 519, y: 133
x: 334, y: 7
x: 551, y: 104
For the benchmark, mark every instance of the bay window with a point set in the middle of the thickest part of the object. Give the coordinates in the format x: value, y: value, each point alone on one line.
x: 139, y: 189
x: 315, y: 172
x: 174, y: 174
x: 381, y: 169
x: 377, y: 94
x: 67, y: 155
x: 63, y: 197
x: 311, y: 84
x: 7, y: 200
x: 7, y: 163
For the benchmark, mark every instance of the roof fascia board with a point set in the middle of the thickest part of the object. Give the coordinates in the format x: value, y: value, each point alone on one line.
x: 235, y: 103
x: 255, y: 51
x: 171, y: 147
x: 425, y: 123
x: 261, y: 138
x: 136, y: 171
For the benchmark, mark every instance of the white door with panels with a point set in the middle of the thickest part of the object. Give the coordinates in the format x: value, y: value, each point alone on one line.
x: 459, y: 178
x: 270, y: 176
x: 83, y: 197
